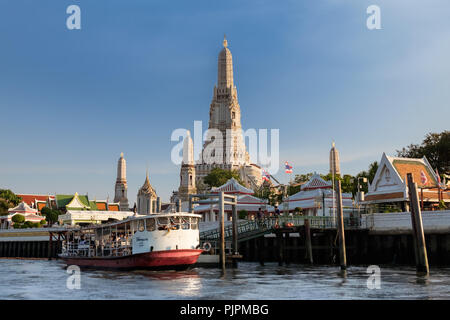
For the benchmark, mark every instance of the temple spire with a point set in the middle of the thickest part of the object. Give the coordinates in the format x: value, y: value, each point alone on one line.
x: 225, y: 67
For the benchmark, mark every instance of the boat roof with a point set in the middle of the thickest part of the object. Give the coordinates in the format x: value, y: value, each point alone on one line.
x: 142, y: 217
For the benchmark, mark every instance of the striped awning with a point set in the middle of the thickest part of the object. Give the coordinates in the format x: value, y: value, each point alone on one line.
x: 232, y: 187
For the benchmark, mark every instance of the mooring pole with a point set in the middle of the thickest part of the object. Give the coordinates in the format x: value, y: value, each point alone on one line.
x: 234, y: 221
x: 308, y: 241
x: 418, y: 233
x: 261, y: 252
x: 342, y: 253
x: 50, y: 246
x: 222, y: 230
x: 280, y: 248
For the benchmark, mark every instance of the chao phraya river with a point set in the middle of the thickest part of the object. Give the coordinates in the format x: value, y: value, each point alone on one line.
x: 42, y: 279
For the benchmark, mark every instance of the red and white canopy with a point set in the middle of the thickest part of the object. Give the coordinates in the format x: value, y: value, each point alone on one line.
x: 232, y: 187
x: 245, y: 202
x: 316, y: 182
x: 22, y: 208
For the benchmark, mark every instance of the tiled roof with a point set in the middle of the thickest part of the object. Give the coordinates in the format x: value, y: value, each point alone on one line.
x: 316, y: 182
x: 30, y: 198
x: 416, y: 167
x: 232, y: 187
x: 101, y: 206
x: 64, y: 199
x: 113, y: 207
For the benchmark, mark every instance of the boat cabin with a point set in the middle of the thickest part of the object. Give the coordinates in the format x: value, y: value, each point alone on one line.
x: 156, y: 232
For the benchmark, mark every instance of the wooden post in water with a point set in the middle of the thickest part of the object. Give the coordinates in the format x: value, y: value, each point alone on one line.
x: 340, y: 218
x: 261, y: 250
x: 222, y: 230
x: 418, y: 233
x: 234, y: 217
x: 50, y: 246
x: 308, y: 245
x: 280, y: 247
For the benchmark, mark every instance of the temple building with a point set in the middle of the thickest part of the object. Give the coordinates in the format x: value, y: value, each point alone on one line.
x: 389, y: 189
x: 37, y: 201
x: 147, y: 200
x: 245, y: 201
x: 67, y: 202
x: 316, y: 198
x: 121, y: 184
x: 30, y: 214
x: 334, y: 160
x: 225, y: 119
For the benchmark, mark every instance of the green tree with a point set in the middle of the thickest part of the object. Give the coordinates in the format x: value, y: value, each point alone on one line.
x: 8, y: 200
x: 299, y: 178
x: 50, y: 215
x: 18, y: 218
x: 435, y: 147
x: 243, y: 214
x: 218, y: 177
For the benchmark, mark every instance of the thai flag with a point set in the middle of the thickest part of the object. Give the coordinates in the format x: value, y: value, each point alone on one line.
x: 423, y: 177
x: 288, y: 168
x: 439, y: 178
x: 265, y: 175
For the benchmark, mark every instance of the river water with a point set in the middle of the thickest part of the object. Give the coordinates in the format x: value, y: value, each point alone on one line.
x: 42, y: 279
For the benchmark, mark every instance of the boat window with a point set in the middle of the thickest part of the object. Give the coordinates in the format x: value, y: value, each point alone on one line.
x: 194, y: 223
x: 175, y: 220
x: 163, y: 220
x: 185, y: 223
x: 141, y: 225
x: 150, y: 224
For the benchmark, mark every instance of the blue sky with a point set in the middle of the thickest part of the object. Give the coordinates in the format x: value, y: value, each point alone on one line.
x: 71, y: 101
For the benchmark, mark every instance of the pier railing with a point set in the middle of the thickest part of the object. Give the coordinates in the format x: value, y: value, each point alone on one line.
x: 249, y: 229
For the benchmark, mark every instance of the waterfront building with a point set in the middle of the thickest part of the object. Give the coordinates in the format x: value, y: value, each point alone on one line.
x: 83, y: 217
x: 225, y: 117
x: 335, y: 166
x: 389, y: 189
x: 30, y: 214
x: 121, y: 184
x: 316, y: 198
x: 66, y: 202
x: 146, y: 198
x: 245, y: 201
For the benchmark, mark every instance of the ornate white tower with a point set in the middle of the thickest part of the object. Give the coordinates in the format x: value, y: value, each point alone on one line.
x: 146, y: 198
x: 121, y: 184
x: 225, y: 120
x: 334, y: 160
x: 187, y: 172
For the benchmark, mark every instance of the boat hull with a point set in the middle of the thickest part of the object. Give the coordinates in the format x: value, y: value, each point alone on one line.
x: 156, y: 260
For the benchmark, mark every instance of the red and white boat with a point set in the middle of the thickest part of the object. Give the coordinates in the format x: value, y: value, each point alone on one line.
x: 157, y: 241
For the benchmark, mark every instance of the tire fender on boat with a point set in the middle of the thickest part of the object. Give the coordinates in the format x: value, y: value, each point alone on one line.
x: 207, y: 246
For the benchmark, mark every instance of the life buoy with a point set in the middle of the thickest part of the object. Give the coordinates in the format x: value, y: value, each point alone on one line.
x: 207, y: 246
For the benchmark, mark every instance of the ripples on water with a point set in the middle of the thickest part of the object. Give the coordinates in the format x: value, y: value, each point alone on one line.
x: 42, y: 279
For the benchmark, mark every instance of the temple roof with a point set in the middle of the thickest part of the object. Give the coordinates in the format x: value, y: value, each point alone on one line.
x: 22, y: 208
x: 232, y: 186
x: 64, y: 201
x: 316, y: 182
x: 147, y: 188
